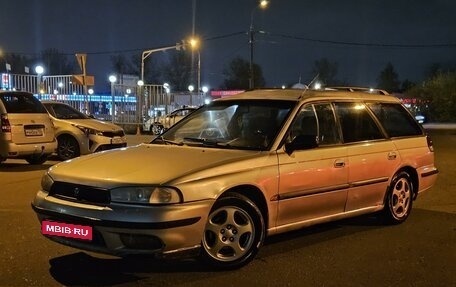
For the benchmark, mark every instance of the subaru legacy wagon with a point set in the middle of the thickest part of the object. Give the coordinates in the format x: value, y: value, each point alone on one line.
x: 239, y: 169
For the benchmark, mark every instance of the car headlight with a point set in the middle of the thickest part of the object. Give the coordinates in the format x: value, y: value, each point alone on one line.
x: 146, y: 194
x: 88, y: 131
x: 46, y: 182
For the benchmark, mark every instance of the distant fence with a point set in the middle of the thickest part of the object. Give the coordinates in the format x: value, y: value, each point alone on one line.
x: 126, y: 105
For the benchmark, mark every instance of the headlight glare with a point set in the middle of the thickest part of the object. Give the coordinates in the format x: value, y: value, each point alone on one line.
x: 88, y: 131
x: 145, y: 194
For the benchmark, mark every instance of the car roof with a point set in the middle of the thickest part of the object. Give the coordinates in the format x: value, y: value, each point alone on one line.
x: 15, y: 92
x: 52, y: 102
x: 49, y: 102
x: 305, y: 95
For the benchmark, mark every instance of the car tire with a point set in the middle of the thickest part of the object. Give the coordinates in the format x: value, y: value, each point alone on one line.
x: 156, y: 129
x: 37, y: 159
x: 67, y: 147
x: 399, y: 199
x: 233, y: 234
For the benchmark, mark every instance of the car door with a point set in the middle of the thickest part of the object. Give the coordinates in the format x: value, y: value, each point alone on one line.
x: 372, y: 157
x: 313, y: 182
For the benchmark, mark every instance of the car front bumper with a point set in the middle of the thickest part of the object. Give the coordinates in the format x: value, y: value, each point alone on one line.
x: 123, y: 229
x: 99, y: 143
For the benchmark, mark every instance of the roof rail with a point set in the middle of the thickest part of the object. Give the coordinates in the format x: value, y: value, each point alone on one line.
x: 358, y: 89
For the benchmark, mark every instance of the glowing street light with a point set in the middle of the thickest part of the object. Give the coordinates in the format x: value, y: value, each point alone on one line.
x: 191, y: 88
x: 39, y: 71
x: 112, y: 79
x: 167, y: 88
x: 195, y: 44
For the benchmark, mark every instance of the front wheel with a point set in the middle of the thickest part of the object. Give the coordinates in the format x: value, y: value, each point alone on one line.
x: 399, y: 200
x: 67, y: 147
x: 234, y: 232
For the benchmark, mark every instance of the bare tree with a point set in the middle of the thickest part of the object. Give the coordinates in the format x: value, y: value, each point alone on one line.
x: 237, y: 75
x: 326, y: 71
x: 388, y: 79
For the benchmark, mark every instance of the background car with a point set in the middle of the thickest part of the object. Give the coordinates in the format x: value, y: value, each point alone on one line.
x: 78, y: 134
x: 26, y: 129
x: 156, y: 125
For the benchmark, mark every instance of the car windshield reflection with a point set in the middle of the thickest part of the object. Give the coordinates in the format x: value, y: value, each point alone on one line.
x: 244, y: 124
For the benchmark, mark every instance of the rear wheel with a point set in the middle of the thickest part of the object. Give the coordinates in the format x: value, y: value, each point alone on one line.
x: 156, y: 129
x: 399, y: 200
x: 67, y: 147
x: 37, y: 159
x: 234, y: 232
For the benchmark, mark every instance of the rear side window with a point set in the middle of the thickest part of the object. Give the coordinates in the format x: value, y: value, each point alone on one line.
x: 357, y: 123
x: 316, y: 120
x: 395, y: 119
x: 22, y: 103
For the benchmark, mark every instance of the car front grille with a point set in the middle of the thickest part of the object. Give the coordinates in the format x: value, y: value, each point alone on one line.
x: 80, y: 193
x: 111, y: 134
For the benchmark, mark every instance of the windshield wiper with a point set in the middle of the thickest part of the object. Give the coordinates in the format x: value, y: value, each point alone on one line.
x: 167, y: 142
x: 206, y: 142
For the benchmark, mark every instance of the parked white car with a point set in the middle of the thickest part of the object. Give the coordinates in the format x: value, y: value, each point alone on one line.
x: 156, y: 125
x: 78, y: 134
x: 26, y: 130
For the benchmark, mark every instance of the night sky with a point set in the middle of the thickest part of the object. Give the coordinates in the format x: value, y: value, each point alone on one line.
x: 362, y: 36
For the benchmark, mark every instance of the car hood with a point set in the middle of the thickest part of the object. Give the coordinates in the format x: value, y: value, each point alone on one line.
x: 143, y: 164
x: 94, y: 124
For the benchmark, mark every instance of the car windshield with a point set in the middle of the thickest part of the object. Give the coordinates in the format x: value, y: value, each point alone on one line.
x: 237, y: 124
x: 64, y: 112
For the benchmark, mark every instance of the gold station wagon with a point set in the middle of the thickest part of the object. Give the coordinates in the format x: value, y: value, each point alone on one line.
x: 239, y: 169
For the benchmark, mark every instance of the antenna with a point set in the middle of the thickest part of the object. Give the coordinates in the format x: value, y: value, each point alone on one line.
x: 313, y: 80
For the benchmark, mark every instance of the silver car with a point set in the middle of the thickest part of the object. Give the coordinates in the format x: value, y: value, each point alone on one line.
x: 156, y: 125
x: 78, y: 134
x: 239, y: 169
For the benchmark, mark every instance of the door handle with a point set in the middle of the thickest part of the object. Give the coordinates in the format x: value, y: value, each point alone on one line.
x: 392, y: 155
x: 339, y: 163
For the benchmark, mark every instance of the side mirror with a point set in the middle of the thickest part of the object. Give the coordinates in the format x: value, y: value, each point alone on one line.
x: 301, y: 142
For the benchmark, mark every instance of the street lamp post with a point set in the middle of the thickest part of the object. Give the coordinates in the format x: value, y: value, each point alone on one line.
x: 113, y: 80
x: 194, y: 43
x: 190, y: 89
x: 39, y: 71
x: 263, y: 4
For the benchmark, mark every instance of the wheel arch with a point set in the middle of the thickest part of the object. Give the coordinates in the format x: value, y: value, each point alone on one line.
x: 68, y: 135
x: 81, y: 148
x: 255, y: 195
x: 413, y: 176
